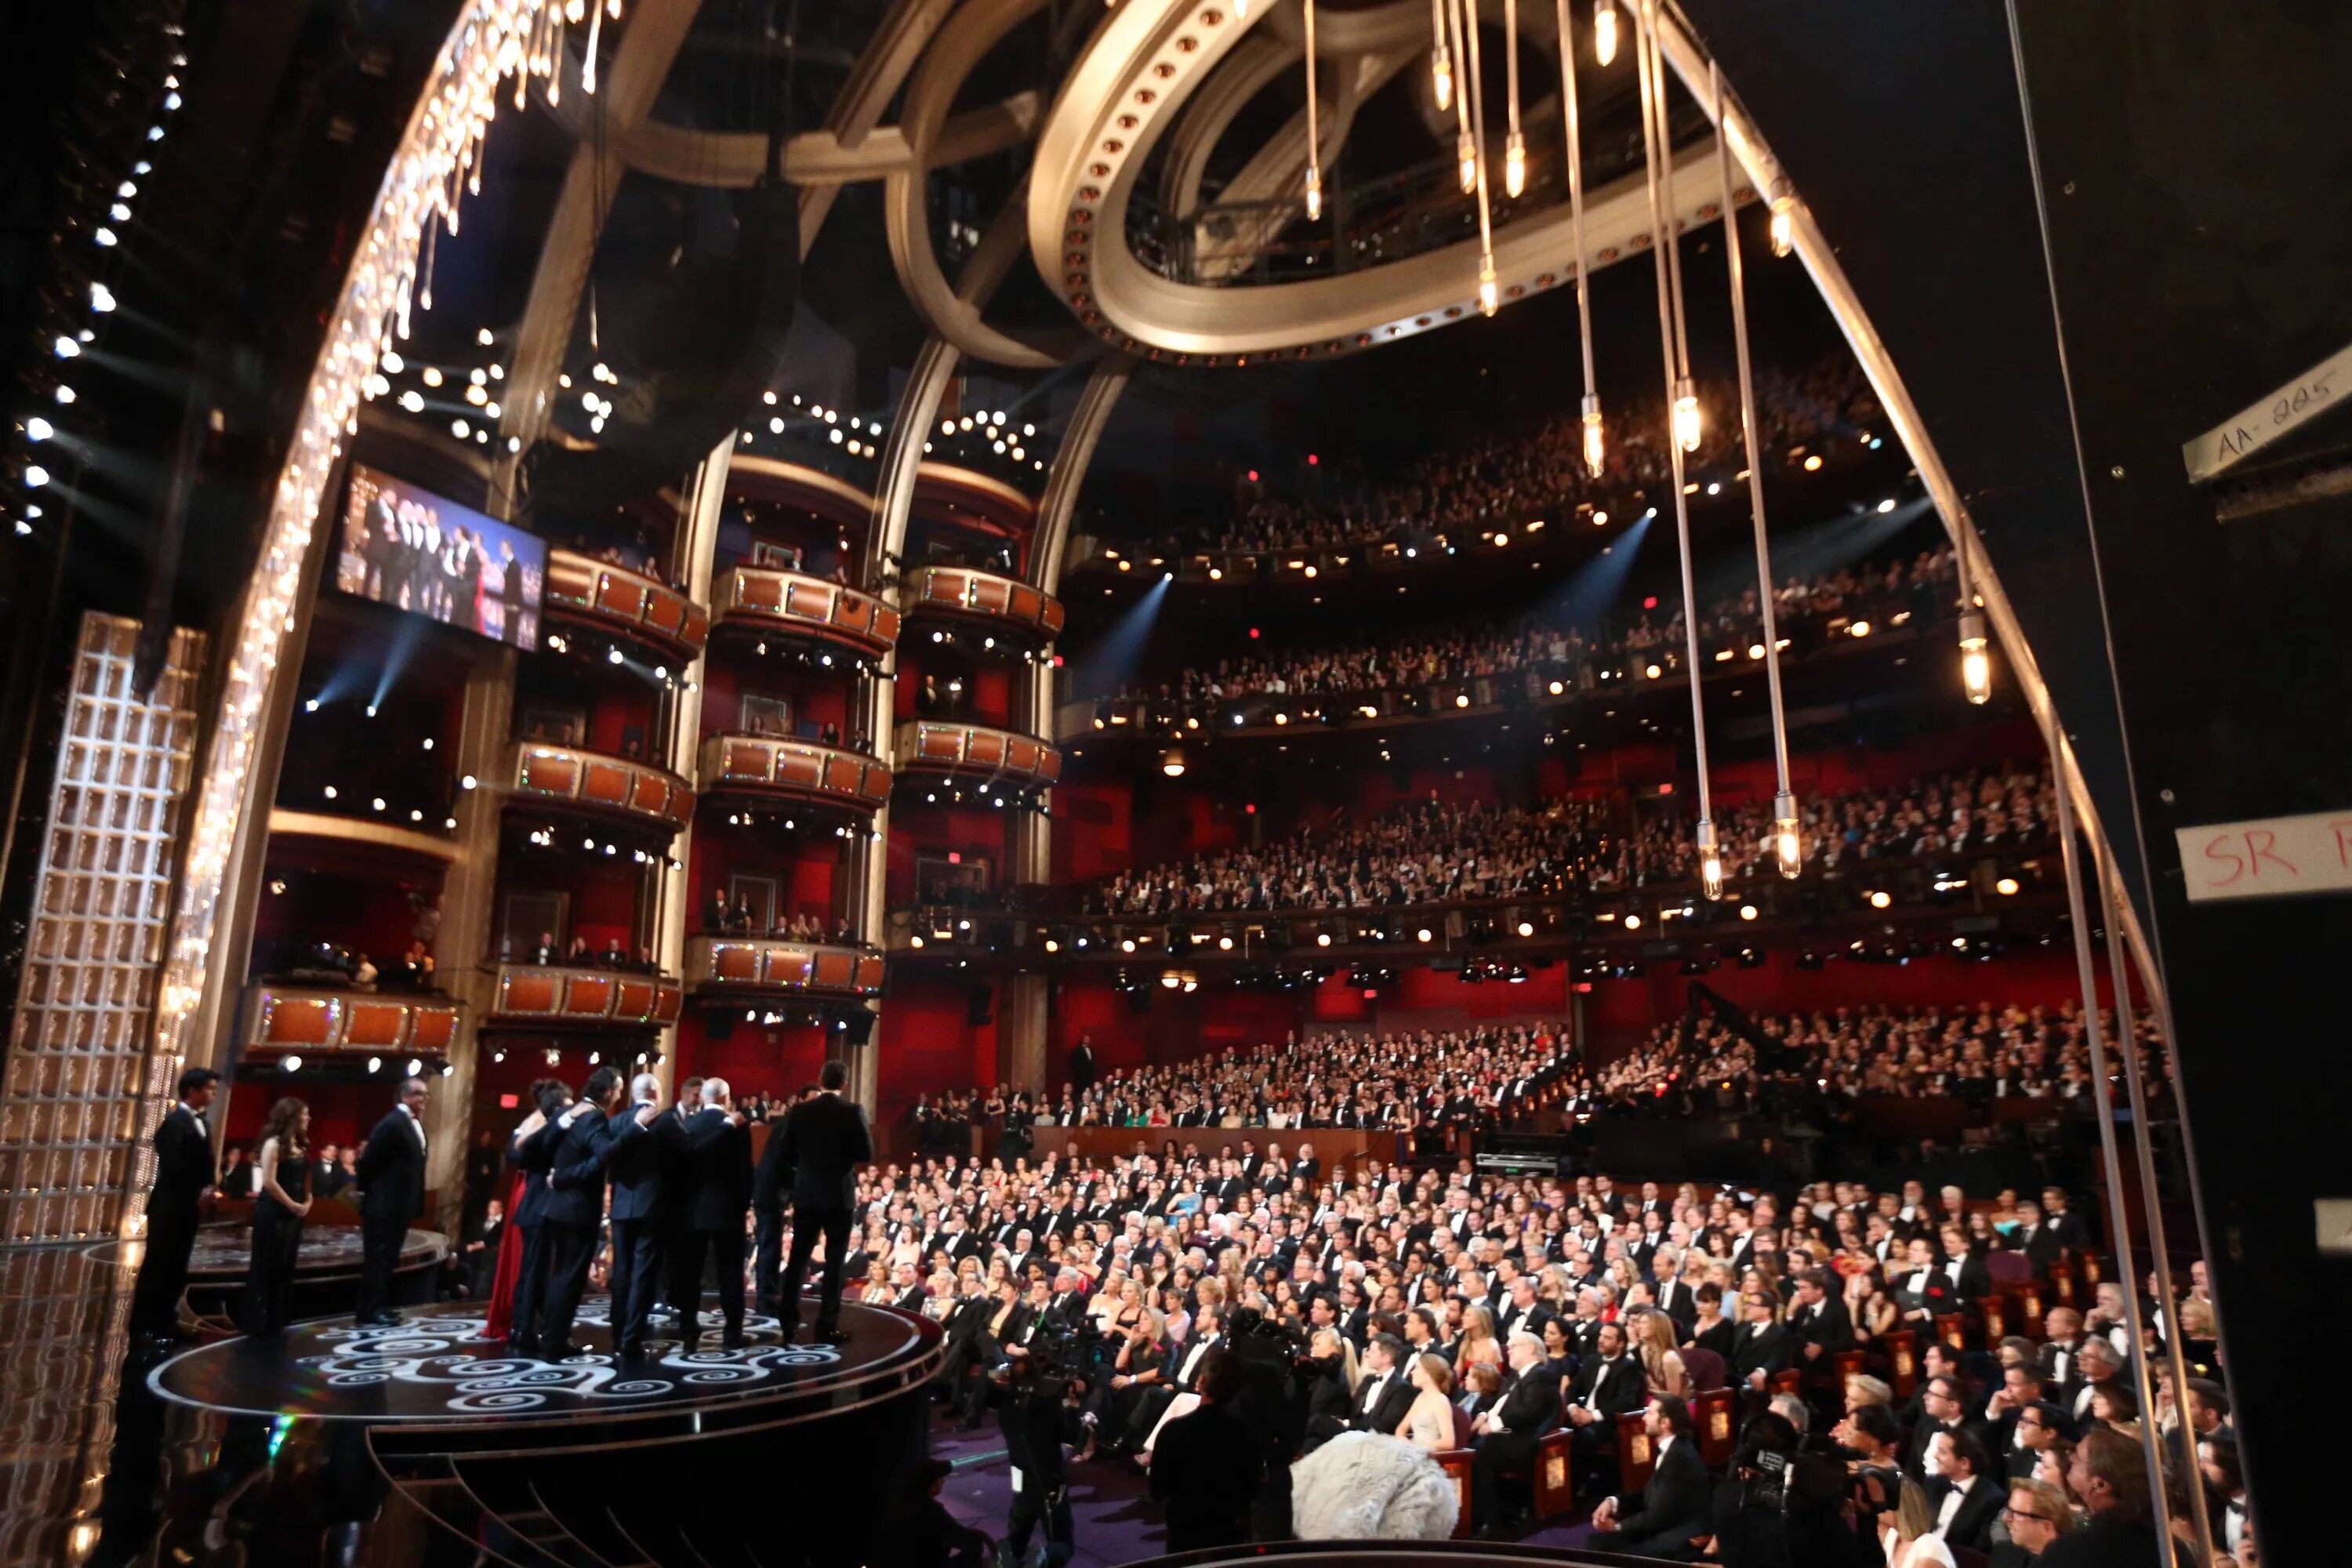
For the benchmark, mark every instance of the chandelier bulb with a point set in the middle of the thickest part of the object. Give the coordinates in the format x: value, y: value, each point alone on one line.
x: 1596, y: 453
x: 1686, y: 422
x: 1783, y: 206
x: 1515, y: 166
x: 1710, y: 861
x: 1490, y: 298
x: 1605, y: 30
x: 1975, y: 659
x: 1466, y: 150
x: 1314, y: 194
x: 1788, y: 837
x: 1440, y: 78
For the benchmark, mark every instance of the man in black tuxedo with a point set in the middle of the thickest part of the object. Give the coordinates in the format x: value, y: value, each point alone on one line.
x: 640, y: 1205
x: 392, y: 1191
x: 1661, y: 1519
x: 1822, y: 1324
x: 1523, y: 1310
x: 772, y: 1184
x: 826, y: 1139
x: 533, y: 1154
x: 1206, y: 1468
x: 1607, y: 1386
x: 1966, y: 1498
x: 1943, y: 1412
x: 1082, y: 1064
x: 575, y: 1204
x: 681, y: 1291
x: 1506, y: 1436
x: 184, y: 1174
x: 1180, y: 1373
x: 719, y: 1150
x: 1386, y: 1393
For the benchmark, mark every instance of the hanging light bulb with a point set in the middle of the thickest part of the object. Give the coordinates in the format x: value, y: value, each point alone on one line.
x: 1686, y: 424
x: 1710, y: 861
x: 1314, y: 129
x: 1975, y: 659
x: 1784, y: 217
x: 1515, y: 146
x: 1605, y: 30
x: 1441, y: 77
x: 1788, y: 838
x: 1489, y: 297
x: 1596, y: 456
x: 1466, y: 150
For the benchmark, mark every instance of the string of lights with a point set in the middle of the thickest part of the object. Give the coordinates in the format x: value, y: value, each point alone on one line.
x: 436, y: 165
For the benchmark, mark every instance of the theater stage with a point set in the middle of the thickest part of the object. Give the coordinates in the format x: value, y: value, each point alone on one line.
x: 438, y: 1367
x: 326, y: 1271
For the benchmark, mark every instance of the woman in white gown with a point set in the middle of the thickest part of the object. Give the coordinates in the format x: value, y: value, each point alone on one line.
x: 1372, y: 1486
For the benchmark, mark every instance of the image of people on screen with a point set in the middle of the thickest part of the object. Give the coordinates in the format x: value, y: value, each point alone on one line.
x: 416, y: 551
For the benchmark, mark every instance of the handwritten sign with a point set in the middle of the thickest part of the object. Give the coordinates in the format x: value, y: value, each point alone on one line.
x: 2318, y: 389
x: 2269, y: 857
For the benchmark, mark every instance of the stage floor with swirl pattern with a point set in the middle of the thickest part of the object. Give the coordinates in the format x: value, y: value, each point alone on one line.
x: 436, y: 1367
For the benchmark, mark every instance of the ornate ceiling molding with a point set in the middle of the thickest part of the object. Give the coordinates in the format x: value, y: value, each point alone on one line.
x: 1129, y: 88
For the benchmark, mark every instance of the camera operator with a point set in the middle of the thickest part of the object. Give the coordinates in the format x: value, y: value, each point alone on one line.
x: 1273, y: 1407
x: 1038, y: 1410
x: 1785, y: 1508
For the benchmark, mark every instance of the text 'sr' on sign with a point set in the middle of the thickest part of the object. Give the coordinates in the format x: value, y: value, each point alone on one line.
x: 2268, y: 857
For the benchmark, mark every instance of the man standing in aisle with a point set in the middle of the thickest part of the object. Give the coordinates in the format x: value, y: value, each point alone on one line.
x: 719, y: 1152
x: 392, y: 1191
x: 826, y: 1139
x: 184, y: 1174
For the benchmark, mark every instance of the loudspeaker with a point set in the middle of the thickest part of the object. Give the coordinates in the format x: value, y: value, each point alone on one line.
x: 981, y: 999
x: 718, y: 1024
x: 857, y: 1027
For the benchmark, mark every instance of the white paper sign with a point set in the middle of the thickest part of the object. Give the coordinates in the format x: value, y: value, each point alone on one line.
x: 2268, y: 857
x: 2315, y: 390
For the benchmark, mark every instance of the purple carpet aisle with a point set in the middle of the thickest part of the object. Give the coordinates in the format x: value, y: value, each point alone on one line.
x: 1114, y: 1519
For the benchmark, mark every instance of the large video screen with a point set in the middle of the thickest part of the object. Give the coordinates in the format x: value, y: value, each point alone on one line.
x: 424, y: 553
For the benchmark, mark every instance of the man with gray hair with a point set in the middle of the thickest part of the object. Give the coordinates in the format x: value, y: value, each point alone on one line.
x: 1506, y: 1436
x: 717, y: 1154
x: 638, y: 1239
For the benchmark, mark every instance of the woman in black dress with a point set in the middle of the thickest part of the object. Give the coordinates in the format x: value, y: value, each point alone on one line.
x: 283, y: 1199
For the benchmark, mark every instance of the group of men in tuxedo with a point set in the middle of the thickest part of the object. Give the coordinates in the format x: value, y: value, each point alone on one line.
x: 682, y: 1181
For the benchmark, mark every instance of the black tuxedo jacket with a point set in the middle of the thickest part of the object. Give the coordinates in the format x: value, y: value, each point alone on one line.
x: 1388, y: 1413
x: 1512, y: 1319
x: 1766, y: 1348
x: 772, y: 1179
x: 534, y: 1156
x: 1971, y: 1526
x: 825, y: 1141
x: 1827, y: 1324
x: 1532, y: 1406
x: 392, y: 1169
x: 642, y: 1168
x: 719, y: 1156
x: 575, y: 1184
x: 183, y: 1169
x: 1621, y: 1384
x: 1661, y: 1519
